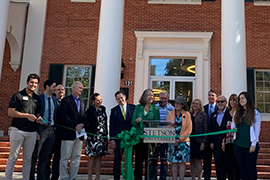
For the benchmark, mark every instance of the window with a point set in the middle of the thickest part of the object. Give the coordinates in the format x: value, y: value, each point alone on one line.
x: 78, y: 73
x: 172, y: 67
x: 262, y: 81
x: 174, y: 1
x: 262, y: 2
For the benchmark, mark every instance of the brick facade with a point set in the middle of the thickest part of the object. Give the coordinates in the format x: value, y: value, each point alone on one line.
x: 71, y: 36
x: 9, y: 85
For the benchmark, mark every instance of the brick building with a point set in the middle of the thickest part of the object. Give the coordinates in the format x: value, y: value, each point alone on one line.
x: 176, y: 45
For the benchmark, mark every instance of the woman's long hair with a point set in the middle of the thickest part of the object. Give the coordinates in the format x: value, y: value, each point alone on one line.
x: 249, y: 112
x: 232, y: 97
x: 143, y: 98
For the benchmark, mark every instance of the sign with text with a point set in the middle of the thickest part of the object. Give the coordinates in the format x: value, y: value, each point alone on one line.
x: 159, y: 132
x: 128, y: 83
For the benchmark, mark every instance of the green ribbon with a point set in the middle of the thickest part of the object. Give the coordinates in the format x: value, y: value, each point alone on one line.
x: 128, y: 139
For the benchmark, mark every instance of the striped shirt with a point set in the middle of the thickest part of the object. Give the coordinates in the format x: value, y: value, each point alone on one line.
x: 163, y: 111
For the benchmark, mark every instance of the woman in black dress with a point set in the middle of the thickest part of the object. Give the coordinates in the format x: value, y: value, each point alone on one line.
x: 197, y: 144
x: 96, y: 146
x: 232, y: 168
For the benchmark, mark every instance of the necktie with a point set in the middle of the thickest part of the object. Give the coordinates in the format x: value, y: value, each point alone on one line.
x: 124, y: 112
x: 49, y: 119
x: 211, y: 111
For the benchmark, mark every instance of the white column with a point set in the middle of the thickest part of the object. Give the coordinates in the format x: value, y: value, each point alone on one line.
x: 233, y: 61
x: 109, y: 52
x: 33, y: 45
x: 4, y: 8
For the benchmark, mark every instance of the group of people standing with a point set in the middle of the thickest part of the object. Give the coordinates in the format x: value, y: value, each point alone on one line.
x: 46, y: 124
x: 235, y: 154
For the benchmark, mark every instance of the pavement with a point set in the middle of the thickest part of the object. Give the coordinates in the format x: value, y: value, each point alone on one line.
x: 18, y: 175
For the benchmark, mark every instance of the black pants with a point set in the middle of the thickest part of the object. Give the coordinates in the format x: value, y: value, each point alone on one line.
x: 141, y: 154
x: 247, y: 162
x: 42, y: 152
x: 232, y: 168
x: 56, y: 152
x: 219, y: 157
x: 118, y: 152
x: 207, y: 161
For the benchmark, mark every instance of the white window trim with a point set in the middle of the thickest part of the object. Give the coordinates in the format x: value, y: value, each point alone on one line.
x: 173, y: 79
x: 91, y: 1
x: 170, y: 45
x: 264, y: 116
x: 174, y: 2
x: 90, y: 72
x: 261, y: 3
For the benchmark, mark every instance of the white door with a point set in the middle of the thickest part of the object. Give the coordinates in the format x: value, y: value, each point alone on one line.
x: 174, y: 76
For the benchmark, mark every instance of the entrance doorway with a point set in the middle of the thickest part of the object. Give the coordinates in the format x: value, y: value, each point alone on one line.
x: 175, y: 76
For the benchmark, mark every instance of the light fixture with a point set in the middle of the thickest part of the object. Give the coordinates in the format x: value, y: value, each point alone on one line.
x: 189, y: 69
x: 123, y: 67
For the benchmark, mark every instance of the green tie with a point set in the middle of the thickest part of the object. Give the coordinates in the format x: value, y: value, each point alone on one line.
x: 124, y: 112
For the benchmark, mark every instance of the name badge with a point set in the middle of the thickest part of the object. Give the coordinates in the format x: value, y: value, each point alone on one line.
x: 25, y: 98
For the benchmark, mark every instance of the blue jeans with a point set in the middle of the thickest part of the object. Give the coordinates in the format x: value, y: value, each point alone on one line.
x: 247, y: 162
x: 161, y: 150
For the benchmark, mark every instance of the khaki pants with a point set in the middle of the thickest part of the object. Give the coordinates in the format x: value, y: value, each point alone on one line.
x: 19, y: 139
x: 71, y: 148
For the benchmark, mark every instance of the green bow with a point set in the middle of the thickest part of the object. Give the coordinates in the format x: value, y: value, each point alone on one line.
x: 128, y: 139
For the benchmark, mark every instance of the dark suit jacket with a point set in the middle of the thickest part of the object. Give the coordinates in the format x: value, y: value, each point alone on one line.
x: 117, y: 121
x: 205, y: 107
x: 93, y: 122
x: 70, y: 117
x: 42, y: 107
x: 214, y: 127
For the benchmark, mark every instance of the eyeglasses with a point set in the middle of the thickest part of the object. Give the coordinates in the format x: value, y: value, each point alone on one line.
x: 163, y: 98
x: 220, y: 101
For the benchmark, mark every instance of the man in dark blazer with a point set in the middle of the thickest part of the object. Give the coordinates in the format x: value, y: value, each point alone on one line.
x: 46, y: 131
x: 209, y: 108
x: 218, y: 123
x: 56, y: 150
x: 72, y: 116
x: 120, y: 119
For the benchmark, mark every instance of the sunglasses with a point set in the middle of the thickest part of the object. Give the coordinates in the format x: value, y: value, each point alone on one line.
x: 220, y: 101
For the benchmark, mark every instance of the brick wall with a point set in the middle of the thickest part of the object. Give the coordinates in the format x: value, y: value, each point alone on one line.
x: 9, y: 85
x: 71, y: 35
x: 71, y: 32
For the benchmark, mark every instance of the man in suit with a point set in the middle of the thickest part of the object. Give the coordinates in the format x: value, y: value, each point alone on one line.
x: 46, y: 131
x: 72, y: 116
x: 120, y: 119
x: 218, y: 123
x: 209, y: 108
x: 59, y: 93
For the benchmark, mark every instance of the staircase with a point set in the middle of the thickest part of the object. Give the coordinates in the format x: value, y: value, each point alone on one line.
x: 263, y: 163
